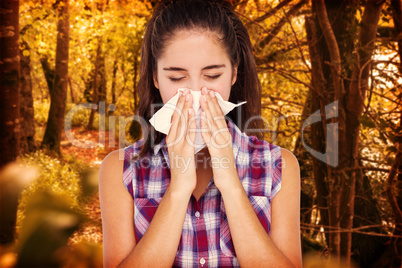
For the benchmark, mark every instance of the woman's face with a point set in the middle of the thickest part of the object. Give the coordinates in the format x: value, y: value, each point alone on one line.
x: 194, y: 59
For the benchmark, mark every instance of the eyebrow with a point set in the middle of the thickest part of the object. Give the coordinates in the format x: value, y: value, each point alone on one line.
x: 209, y: 67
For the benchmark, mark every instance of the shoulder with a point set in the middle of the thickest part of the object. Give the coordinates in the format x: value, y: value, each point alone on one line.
x: 290, y: 166
x: 114, y: 157
x: 112, y: 166
x: 115, y: 161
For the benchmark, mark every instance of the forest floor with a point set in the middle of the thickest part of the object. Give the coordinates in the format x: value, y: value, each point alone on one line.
x: 90, y: 149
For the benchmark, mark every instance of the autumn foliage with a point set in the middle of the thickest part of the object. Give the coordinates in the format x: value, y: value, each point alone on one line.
x: 331, y: 76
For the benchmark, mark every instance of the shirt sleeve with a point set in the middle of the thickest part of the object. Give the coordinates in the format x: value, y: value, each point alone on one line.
x: 130, y: 168
x: 276, y: 169
x: 128, y: 175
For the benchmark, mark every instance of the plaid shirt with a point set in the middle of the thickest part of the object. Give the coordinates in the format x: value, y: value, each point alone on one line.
x: 205, y: 240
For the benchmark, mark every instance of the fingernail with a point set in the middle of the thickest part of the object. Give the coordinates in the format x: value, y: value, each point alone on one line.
x: 190, y: 111
x: 205, y: 98
x: 188, y: 97
x: 185, y: 93
x: 212, y: 94
x: 204, y: 90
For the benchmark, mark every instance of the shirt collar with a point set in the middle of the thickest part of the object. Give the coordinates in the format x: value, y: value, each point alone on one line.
x: 158, y: 146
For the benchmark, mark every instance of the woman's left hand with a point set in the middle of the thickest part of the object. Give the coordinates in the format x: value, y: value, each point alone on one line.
x: 216, y: 135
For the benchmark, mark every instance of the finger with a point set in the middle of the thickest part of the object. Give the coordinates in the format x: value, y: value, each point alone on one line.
x: 214, y: 108
x: 206, y: 108
x: 192, y: 127
x: 203, y: 102
x: 183, y: 121
x: 211, y: 117
x: 210, y: 102
x: 176, y: 117
x: 183, y: 117
x: 219, y: 118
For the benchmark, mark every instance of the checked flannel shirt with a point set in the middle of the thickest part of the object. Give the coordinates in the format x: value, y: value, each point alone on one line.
x: 205, y: 240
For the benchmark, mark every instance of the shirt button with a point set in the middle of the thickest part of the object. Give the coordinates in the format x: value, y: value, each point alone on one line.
x: 197, y: 214
x: 202, y: 261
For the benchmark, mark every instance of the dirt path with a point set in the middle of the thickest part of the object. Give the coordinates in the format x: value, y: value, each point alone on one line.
x: 85, y: 146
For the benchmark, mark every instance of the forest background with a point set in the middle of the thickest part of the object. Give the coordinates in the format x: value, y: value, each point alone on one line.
x: 331, y: 79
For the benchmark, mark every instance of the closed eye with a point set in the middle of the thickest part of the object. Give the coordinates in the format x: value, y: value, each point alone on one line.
x: 213, y: 76
x: 176, y: 79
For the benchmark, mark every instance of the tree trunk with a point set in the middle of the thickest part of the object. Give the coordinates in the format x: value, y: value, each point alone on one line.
x: 336, y: 21
x: 27, y: 142
x: 354, y: 108
x: 307, y: 200
x: 9, y: 82
x: 102, y: 79
x: 317, y: 133
x: 48, y: 72
x: 9, y: 96
x: 98, y: 86
x: 54, y: 128
x: 95, y: 96
x: 394, y: 188
x: 397, y: 17
x: 70, y: 85
x: 115, y: 67
x: 367, y: 249
x: 338, y: 91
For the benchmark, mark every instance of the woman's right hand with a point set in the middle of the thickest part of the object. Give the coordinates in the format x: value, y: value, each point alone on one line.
x: 180, y: 142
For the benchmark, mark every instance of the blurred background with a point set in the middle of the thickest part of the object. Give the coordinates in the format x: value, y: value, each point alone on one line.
x: 68, y: 85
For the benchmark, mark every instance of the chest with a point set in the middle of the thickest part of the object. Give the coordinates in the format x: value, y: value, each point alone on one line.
x: 206, y: 233
x: 204, y: 177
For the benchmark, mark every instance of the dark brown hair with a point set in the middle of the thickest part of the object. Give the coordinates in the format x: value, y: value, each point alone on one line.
x: 213, y: 15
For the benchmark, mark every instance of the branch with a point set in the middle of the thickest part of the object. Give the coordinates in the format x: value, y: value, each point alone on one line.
x: 276, y: 29
x: 366, y: 40
x: 330, y: 229
x: 390, y: 194
x: 271, y: 56
x: 333, y: 48
x: 351, y: 169
x: 285, y: 100
x: 271, y: 12
x: 397, y: 17
x: 298, y: 43
x: 294, y: 79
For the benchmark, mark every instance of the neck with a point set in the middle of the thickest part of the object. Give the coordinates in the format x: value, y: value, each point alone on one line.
x: 203, y: 159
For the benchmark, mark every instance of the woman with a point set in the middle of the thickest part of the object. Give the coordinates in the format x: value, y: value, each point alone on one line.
x: 235, y: 202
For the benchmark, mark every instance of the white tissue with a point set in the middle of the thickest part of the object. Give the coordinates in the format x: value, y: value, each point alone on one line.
x: 161, y: 120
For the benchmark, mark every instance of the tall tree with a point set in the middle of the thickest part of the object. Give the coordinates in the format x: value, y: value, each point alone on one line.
x: 58, y: 95
x: 97, y: 82
x: 26, y: 100
x: 394, y: 188
x: 9, y: 98
x: 353, y: 106
x: 9, y: 81
x: 340, y: 180
x: 94, y: 83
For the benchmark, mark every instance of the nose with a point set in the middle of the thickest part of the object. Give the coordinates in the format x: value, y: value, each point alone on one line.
x: 195, y: 84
